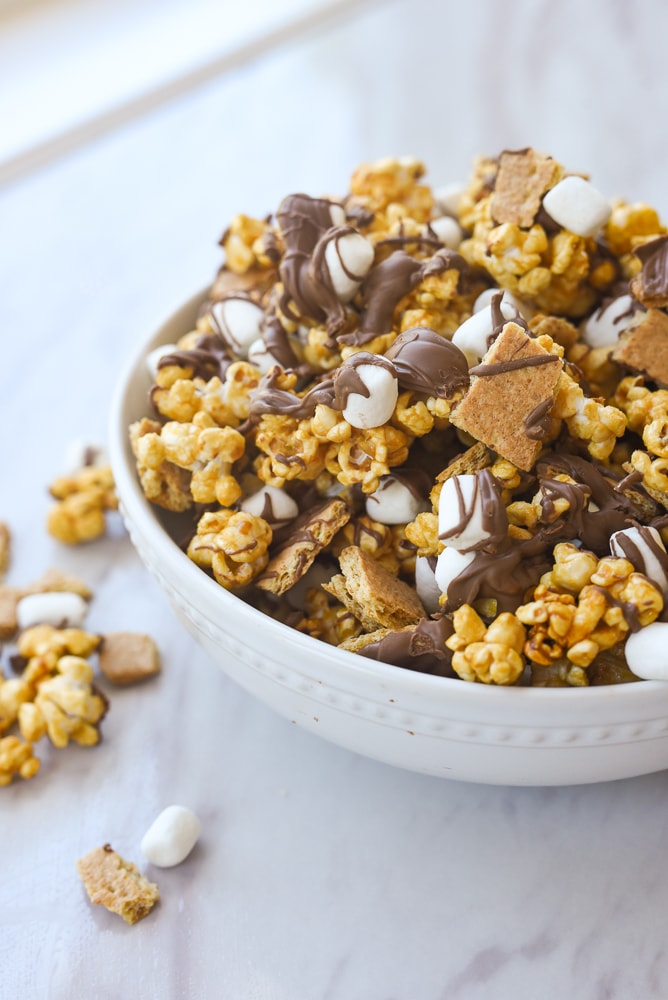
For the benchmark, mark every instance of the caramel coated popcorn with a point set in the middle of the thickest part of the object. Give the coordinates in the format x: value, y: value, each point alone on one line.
x: 431, y: 430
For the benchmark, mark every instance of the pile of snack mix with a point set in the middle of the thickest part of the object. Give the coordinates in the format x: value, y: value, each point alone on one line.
x: 431, y: 426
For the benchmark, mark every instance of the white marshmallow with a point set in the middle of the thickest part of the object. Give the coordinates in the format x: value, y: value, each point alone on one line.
x: 59, y: 608
x: 394, y: 503
x: 455, y: 491
x: 509, y: 303
x: 645, y: 652
x: 239, y: 322
x: 426, y: 586
x: 576, y: 205
x: 280, y: 508
x: 153, y: 357
x: 345, y: 255
x: 649, y: 562
x: 261, y: 357
x: 448, y: 231
x: 375, y: 409
x: 171, y: 837
x: 449, y: 197
x: 449, y: 565
x: 604, y: 327
x: 80, y: 454
x: 337, y: 214
x: 471, y: 337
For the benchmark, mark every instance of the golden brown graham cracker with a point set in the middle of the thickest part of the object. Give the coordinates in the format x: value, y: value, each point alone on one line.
x: 644, y: 347
x: 116, y: 884
x: 523, y: 178
x: 372, y: 593
x: 310, y: 535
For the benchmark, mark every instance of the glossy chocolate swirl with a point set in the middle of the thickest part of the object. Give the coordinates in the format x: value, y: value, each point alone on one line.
x: 420, y: 648
x: 306, y: 228
x: 209, y: 357
x: 426, y: 362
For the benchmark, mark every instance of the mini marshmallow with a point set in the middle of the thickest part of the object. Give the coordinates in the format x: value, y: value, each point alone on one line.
x: 337, y: 214
x: 274, y: 505
x: 449, y: 565
x: 576, y: 205
x: 394, y: 502
x: 461, y: 513
x: 449, y: 197
x: 603, y: 328
x: 448, y: 231
x: 472, y: 336
x: 510, y: 304
x: 171, y: 837
x: 153, y: 357
x: 349, y: 256
x: 61, y: 609
x: 375, y: 409
x: 81, y: 454
x: 239, y: 322
x: 426, y: 586
x: 261, y: 357
x: 646, y: 652
x: 644, y: 551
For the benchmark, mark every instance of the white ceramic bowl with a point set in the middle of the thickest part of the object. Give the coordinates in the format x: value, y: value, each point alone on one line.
x: 435, y: 725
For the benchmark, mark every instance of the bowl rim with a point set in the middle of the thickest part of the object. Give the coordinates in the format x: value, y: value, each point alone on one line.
x: 138, y: 511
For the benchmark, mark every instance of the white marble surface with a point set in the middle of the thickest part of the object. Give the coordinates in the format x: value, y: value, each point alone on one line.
x: 320, y: 875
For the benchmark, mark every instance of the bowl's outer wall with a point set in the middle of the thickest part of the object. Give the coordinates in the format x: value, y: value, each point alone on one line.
x: 437, y: 726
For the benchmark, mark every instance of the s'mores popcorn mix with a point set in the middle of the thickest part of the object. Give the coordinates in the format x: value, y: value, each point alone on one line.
x: 430, y: 426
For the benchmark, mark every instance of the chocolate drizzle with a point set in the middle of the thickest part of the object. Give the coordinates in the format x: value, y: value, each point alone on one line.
x: 501, y: 367
x: 306, y: 228
x: 208, y: 358
x: 486, y: 501
x: 653, y: 284
x: 388, y: 282
x: 419, y: 648
x: 537, y: 423
x: 428, y: 363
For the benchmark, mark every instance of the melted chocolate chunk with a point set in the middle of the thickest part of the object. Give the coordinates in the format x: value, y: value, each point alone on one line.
x: 426, y: 362
x: 421, y: 648
x: 653, y: 283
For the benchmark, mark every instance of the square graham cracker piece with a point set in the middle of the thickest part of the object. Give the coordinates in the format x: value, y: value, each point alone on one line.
x: 516, y: 380
x: 375, y: 597
x: 117, y: 884
x: 311, y: 533
x: 643, y: 347
x: 523, y: 178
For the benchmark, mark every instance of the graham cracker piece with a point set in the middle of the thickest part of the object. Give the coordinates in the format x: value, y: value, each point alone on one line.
x: 356, y: 643
x: 501, y: 399
x: 312, y: 532
x: 128, y: 657
x: 651, y: 286
x: 372, y: 593
x: 116, y: 884
x: 474, y: 459
x: 55, y: 581
x: 5, y: 548
x: 643, y: 347
x: 658, y: 496
x: 522, y: 179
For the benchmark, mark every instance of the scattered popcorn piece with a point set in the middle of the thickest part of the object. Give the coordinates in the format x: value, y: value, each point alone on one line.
x: 66, y: 706
x: 83, y: 500
x: 171, y: 837
x: 577, y: 206
x: 116, y: 884
x: 59, y: 608
x: 128, y: 657
x: 16, y: 758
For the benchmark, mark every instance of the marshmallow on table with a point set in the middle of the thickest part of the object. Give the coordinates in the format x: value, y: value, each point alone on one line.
x: 349, y: 257
x: 81, y: 454
x: 449, y: 564
x: 239, y: 322
x: 394, y: 502
x: 154, y: 357
x: 274, y: 505
x: 576, y: 205
x: 447, y: 230
x: 61, y: 609
x: 171, y: 837
x: 603, y: 327
x: 426, y: 586
x: 380, y: 380
x: 472, y: 336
